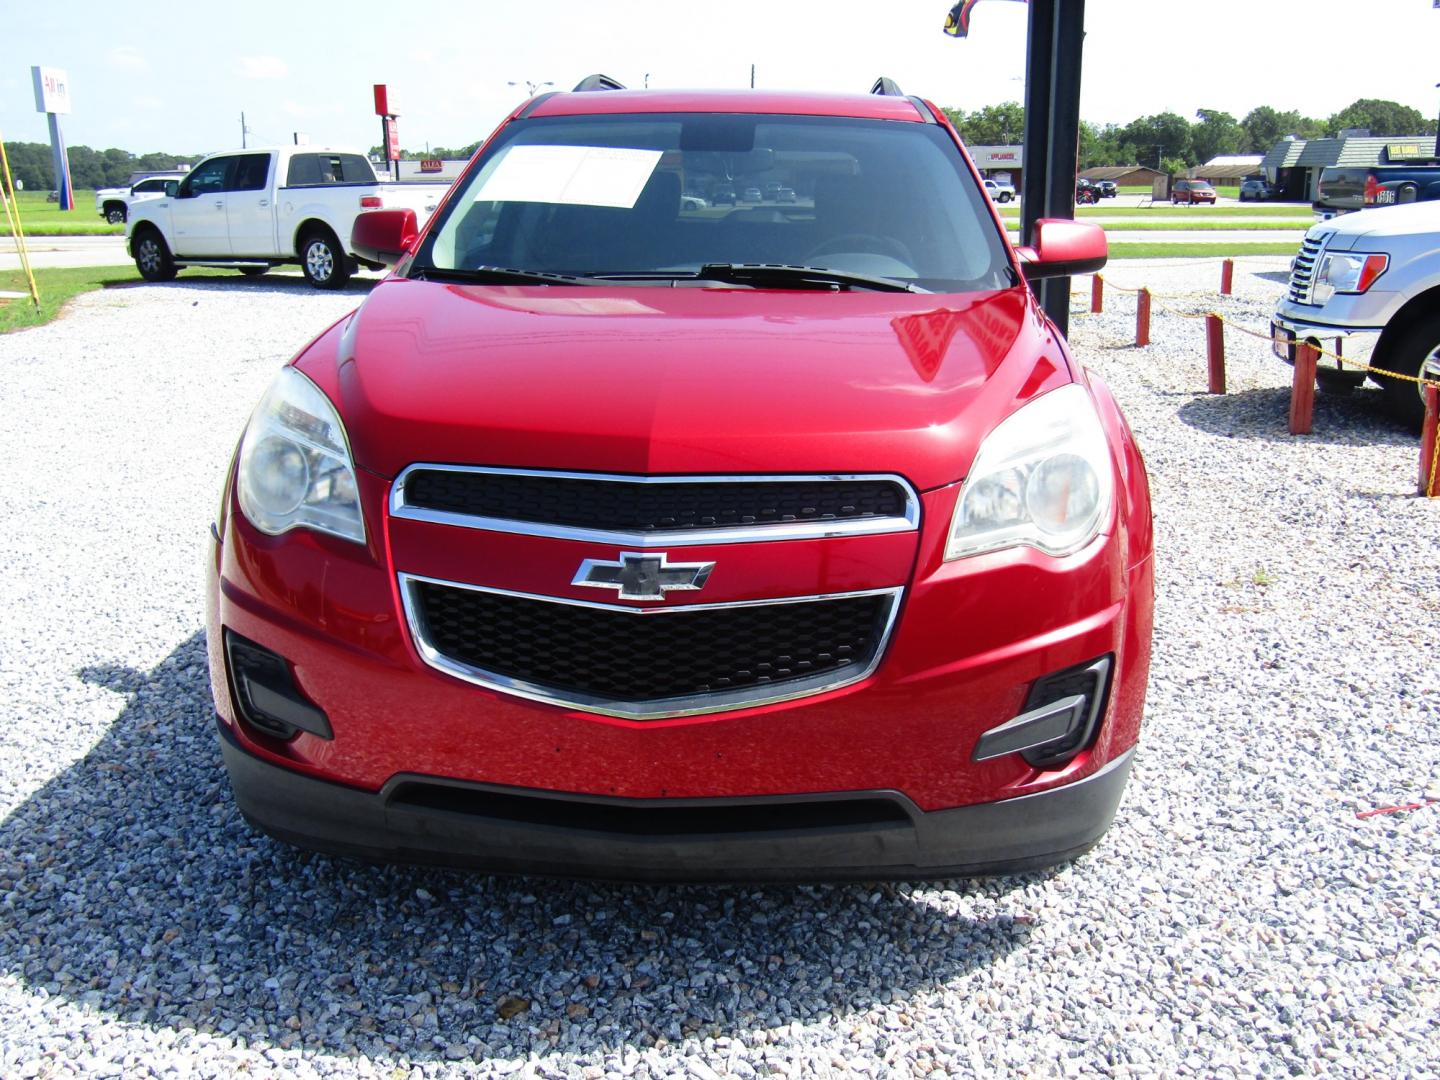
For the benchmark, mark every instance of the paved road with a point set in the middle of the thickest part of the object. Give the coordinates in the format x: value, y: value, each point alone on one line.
x: 48, y: 251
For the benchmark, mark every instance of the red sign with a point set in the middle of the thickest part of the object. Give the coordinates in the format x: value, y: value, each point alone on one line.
x: 382, y: 100
x: 432, y: 165
x: 392, y: 139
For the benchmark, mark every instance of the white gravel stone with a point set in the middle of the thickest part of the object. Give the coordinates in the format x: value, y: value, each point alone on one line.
x: 1238, y: 920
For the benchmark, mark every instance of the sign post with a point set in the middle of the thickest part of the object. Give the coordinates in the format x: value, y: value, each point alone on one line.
x: 389, y: 128
x: 52, y: 97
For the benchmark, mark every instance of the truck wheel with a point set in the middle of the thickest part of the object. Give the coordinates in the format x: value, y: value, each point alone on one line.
x: 115, y: 215
x: 1421, y: 343
x: 152, y: 256
x: 322, y: 260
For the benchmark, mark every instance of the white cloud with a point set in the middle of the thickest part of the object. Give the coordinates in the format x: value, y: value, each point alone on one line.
x: 146, y: 101
x: 127, y: 58
x: 261, y: 67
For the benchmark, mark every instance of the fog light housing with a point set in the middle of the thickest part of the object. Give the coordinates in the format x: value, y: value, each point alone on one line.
x: 265, y: 693
x: 1060, y: 718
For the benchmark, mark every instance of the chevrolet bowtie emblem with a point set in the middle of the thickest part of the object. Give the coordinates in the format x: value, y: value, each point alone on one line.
x: 642, y: 575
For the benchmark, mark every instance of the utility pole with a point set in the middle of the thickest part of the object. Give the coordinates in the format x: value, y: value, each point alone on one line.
x: 243, y: 132
x: 752, y: 76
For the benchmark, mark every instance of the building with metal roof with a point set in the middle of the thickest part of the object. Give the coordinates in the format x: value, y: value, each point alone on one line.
x: 1295, y: 165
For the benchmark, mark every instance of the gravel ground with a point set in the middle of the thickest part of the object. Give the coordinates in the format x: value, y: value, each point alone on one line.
x: 1239, y: 919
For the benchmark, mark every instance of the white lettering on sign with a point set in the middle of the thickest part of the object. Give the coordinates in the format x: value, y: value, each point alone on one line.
x: 52, y: 89
x: 573, y: 175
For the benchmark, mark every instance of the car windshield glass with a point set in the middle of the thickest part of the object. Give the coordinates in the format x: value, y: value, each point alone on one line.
x: 667, y: 194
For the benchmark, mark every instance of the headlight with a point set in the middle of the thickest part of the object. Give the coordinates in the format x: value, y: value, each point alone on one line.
x: 1346, y: 273
x: 295, y: 469
x: 1043, y: 478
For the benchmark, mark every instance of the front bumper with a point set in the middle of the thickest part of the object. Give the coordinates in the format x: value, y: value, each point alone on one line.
x: 1354, y: 343
x: 508, y: 830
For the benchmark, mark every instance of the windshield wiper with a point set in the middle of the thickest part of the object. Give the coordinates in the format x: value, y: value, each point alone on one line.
x: 498, y: 275
x: 762, y: 274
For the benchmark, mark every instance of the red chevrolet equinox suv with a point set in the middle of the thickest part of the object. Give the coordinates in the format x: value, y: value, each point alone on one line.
x: 629, y: 529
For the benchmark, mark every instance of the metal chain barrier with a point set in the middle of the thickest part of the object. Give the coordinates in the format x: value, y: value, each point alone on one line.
x: 1430, y: 479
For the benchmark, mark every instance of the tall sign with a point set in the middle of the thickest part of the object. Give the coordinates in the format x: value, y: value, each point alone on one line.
x: 389, y: 128
x: 52, y: 97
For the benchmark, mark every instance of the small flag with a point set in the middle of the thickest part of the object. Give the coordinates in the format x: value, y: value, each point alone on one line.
x: 957, y: 23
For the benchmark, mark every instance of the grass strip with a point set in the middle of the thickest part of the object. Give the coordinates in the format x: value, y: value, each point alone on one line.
x: 41, y: 218
x: 56, y: 286
x: 1166, y: 212
x: 1189, y: 250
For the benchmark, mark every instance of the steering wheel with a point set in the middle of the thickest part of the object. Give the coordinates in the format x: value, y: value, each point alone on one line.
x: 852, y: 242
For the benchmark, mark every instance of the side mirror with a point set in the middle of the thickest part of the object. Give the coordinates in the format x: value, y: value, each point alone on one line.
x: 172, y: 188
x: 1064, y: 248
x: 384, y: 236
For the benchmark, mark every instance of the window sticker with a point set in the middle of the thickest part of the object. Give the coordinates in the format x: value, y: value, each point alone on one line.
x: 573, y: 175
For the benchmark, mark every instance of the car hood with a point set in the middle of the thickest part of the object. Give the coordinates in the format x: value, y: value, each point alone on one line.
x: 684, y: 380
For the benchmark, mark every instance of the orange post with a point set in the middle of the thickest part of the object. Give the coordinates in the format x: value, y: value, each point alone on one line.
x: 1215, y: 352
x: 1302, y: 390
x: 1430, y: 445
x: 1097, y: 294
x: 1227, y: 277
x: 1142, y: 319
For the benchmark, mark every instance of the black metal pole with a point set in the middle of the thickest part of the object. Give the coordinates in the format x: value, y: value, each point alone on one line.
x: 1052, y: 130
x: 1040, y: 44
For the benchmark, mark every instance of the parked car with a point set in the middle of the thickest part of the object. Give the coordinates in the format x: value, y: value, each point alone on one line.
x: 1364, y: 286
x: 605, y: 541
x: 752, y: 194
x: 113, y: 204
x: 1001, y: 193
x: 257, y: 208
x: 1106, y: 189
x: 1255, y: 190
x: 1191, y: 191
x: 689, y: 201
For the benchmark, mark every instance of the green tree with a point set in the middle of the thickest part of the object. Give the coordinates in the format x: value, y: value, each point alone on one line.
x: 1264, y: 127
x: 993, y: 125
x: 1153, y: 138
x: 1381, y: 118
x: 1217, y: 133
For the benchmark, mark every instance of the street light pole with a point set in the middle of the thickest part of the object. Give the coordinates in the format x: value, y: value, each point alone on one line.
x: 530, y: 87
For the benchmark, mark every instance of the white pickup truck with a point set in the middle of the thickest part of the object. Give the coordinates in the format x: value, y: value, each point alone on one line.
x: 113, y: 204
x: 1367, y: 286
x: 259, y: 207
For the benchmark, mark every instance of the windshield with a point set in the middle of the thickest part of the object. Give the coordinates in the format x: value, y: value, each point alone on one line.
x: 665, y: 194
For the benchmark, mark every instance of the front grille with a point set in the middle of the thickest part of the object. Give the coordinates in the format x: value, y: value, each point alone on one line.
x: 1302, y: 274
x: 639, y: 507
x: 660, y: 662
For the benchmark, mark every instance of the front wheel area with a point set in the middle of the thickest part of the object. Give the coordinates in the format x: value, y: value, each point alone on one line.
x: 323, y: 261
x: 1414, y: 353
x: 115, y: 214
x: 152, y: 256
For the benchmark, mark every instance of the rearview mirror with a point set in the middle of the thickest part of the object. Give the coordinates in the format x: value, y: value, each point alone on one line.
x: 172, y: 188
x: 384, y: 236
x: 1064, y: 248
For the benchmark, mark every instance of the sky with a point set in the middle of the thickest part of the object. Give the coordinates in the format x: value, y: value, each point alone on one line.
x: 175, y: 78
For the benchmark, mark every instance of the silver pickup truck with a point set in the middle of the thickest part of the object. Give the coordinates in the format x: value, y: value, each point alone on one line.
x: 1367, y: 286
x: 256, y: 208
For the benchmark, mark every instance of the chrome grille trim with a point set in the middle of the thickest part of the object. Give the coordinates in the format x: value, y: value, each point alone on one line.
x: 749, y: 534
x: 690, y: 705
x: 1302, y: 274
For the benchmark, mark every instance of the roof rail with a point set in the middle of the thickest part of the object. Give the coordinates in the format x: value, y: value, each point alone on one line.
x: 597, y: 82
x: 887, y: 87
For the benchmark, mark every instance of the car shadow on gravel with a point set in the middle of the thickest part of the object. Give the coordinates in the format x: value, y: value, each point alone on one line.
x: 1354, y: 419
x: 129, y: 884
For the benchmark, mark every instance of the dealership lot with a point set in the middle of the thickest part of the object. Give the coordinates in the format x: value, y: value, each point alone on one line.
x: 1239, y: 918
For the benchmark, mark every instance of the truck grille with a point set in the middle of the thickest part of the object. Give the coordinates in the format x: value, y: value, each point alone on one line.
x: 657, y: 510
x: 648, y: 664
x: 1302, y: 275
